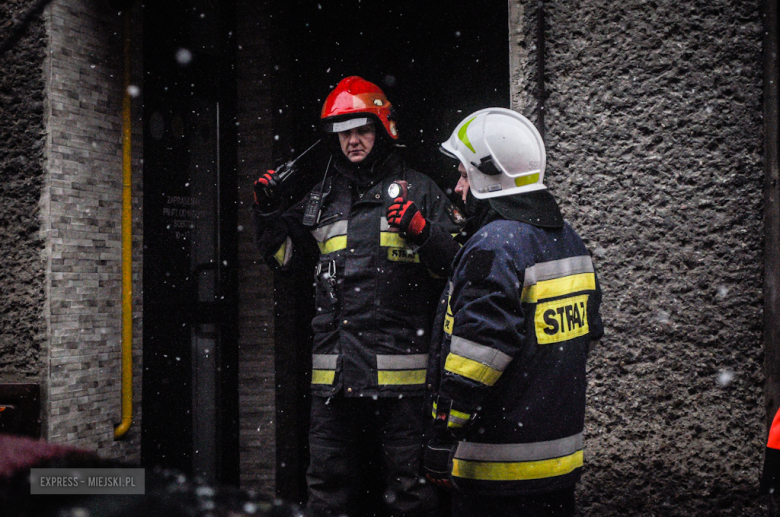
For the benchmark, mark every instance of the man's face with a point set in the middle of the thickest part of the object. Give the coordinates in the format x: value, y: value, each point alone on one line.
x: 462, y: 187
x: 357, y: 142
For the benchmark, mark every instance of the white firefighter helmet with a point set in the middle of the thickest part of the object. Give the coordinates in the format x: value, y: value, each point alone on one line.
x: 502, y: 152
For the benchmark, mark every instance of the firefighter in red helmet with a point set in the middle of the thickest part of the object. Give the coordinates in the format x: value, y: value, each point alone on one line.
x: 376, y: 291
x: 354, y: 97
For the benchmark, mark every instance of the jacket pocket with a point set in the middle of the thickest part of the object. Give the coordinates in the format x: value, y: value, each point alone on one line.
x: 324, y: 322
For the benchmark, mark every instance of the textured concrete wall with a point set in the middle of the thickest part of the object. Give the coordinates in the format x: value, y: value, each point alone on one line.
x: 256, y: 303
x: 21, y: 168
x: 82, y: 204
x: 654, y: 148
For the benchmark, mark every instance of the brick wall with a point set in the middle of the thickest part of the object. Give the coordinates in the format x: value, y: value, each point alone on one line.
x: 256, y: 303
x: 82, y: 202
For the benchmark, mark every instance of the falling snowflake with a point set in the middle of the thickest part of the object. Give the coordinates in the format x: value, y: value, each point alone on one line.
x: 725, y: 377
x: 183, y: 56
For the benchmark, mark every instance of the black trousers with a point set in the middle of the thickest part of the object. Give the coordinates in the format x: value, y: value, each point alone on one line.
x: 360, y: 443
x: 559, y: 503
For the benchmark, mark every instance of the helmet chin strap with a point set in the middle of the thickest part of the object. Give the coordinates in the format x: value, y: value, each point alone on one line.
x: 473, y: 205
x: 486, y: 166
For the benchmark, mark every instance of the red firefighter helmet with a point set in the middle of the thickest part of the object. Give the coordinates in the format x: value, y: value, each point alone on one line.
x: 352, y: 97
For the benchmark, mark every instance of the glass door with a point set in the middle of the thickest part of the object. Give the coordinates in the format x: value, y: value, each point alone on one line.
x: 189, y: 417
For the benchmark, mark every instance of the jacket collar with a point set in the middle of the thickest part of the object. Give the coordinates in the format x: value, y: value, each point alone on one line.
x: 366, y: 176
x: 537, y: 208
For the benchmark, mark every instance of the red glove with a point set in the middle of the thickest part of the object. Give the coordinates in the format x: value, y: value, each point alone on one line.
x: 405, y: 216
x: 265, y: 190
x: 264, y: 186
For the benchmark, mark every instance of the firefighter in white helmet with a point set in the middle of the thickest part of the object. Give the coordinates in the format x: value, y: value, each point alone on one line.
x: 507, y: 371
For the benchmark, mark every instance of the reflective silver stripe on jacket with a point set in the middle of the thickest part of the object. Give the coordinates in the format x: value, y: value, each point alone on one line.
x: 401, y: 369
x: 480, y: 353
x: 519, y: 452
x: 284, y: 253
x: 401, y: 362
x: 323, y: 368
x: 324, y: 233
x: 557, y: 269
x: 324, y: 361
x: 456, y: 420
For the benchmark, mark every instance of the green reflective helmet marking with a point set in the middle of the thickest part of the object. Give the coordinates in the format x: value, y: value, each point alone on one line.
x: 464, y: 137
x: 527, y: 180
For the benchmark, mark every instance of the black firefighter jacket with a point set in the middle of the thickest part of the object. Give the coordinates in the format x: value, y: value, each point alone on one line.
x: 375, y: 292
x: 521, y: 310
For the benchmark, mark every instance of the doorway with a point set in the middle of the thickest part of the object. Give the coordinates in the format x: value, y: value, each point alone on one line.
x: 437, y: 62
x: 190, y: 400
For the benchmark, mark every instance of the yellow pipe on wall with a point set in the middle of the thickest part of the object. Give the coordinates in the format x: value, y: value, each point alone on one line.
x: 127, y: 244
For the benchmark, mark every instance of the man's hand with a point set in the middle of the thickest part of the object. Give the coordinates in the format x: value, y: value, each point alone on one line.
x: 266, y: 192
x: 405, y: 216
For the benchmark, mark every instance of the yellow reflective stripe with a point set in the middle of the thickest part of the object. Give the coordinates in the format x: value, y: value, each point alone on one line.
x: 527, y: 180
x: 460, y: 417
x: 464, y: 137
x: 559, y: 287
x: 280, y: 253
x: 459, y: 414
x: 561, y: 320
x: 449, y: 319
x: 323, y: 376
x: 471, y: 369
x: 486, y: 355
x: 516, y: 471
x: 402, y: 255
x: 334, y: 244
x: 391, y: 239
x: 399, y: 250
x: 401, y: 377
x: 457, y: 418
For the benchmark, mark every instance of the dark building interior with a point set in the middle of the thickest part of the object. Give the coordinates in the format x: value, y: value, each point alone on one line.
x: 435, y: 62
